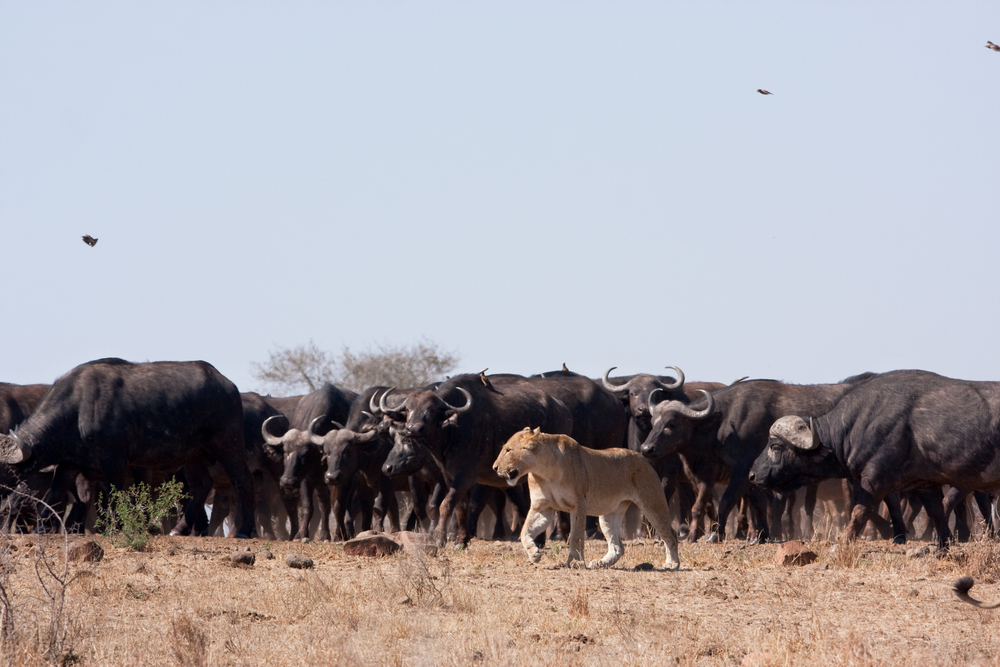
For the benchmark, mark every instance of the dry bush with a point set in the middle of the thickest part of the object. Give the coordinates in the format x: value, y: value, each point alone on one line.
x: 579, y: 602
x: 39, y: 624
x: 189, y: 642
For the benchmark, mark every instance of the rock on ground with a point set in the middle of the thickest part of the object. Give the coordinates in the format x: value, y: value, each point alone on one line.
x: 371, y: 544
x: 298, y: 561
x: 793, y: 552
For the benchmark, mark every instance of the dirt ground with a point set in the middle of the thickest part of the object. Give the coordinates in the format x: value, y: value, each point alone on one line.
x: 182, y: 602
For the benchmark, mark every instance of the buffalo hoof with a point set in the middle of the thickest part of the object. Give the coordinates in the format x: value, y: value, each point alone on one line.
x: 682, y: 531
x: 712, y: 539
x: 899, y: 539
x: 242, y: 536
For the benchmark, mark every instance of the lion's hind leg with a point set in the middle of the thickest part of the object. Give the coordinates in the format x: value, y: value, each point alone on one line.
x: 534, y: 525
x: 654, y: 506
x: 611, y: 525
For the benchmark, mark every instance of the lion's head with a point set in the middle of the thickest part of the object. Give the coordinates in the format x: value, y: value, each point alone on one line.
x: 518, y: 455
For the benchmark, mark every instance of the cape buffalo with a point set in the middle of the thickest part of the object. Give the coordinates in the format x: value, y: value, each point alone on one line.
x: 107, y: 415
x: 898, y: 431
x: 731, y: 426
x: 462, y: 425
x: 303, y: 460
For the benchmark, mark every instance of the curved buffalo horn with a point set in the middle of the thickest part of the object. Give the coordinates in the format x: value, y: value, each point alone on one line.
x: 268, y: 438
x: 738, y: 380
x: 366, y: 436
x: 649, y: 400
x: 691, y: 413
x: 680, y: 379
x: 373, y: 405
x: 384, y: 407
x: 314, y: 424
x: 815, y: 438
x: 464, y: 408
x: 615, y: 387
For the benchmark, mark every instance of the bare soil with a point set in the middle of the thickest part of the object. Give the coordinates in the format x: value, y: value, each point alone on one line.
x: 182, y: 602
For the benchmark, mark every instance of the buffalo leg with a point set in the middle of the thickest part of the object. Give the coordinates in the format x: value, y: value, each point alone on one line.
x: 457, y: 492
x: 985, y: 503
x: 809, y: 505
x: 199, y: 486
x: 933, y: 503
x: 341, y: 498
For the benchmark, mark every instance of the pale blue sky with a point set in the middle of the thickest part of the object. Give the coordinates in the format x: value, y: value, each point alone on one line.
x: 526, y: 183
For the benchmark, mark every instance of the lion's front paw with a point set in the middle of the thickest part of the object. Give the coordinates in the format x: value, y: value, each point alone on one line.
x: 535, y: 555
x: 599, y: 564
x: 576, y: 565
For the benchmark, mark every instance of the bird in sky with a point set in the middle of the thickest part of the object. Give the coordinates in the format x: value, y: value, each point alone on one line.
x: 764, y: 92
x: 991, y: 45
x: 89, y: 240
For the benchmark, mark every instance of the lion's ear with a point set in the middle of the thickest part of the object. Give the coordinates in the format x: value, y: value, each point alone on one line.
x: 537, y: 431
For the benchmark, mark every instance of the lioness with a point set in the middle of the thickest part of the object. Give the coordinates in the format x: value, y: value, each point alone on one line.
x: 566, y: 477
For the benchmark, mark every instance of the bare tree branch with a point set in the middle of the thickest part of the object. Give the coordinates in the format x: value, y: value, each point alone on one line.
x: 306, y: 367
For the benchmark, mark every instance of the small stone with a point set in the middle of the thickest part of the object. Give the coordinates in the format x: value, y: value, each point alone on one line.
x: 793, y: 552
x: 305, y: 540
x: 267, y: 555
x: 242, y: 559
x: 371, y: 545
x: 914, y: 592
x: 85, y: 550
x: 817, y: 566
x: 298, y: 561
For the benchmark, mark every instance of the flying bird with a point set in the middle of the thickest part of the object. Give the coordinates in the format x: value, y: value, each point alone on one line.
x: 764, y: 92
x: 89, y: 240
x: 991, y: 45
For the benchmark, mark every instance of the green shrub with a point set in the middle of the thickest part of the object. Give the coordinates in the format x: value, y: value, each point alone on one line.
x: 131, y: 512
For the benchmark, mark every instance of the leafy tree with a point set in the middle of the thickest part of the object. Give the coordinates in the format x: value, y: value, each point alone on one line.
x: 306, y: 367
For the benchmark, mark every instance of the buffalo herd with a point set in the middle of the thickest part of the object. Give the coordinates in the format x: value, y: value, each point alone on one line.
x: 421, y: 458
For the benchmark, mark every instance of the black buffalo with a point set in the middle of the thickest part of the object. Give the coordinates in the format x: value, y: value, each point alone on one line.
x: 17, y: 401
x: 731, y: 426
x: 105, y: 416
x: 903, y: 430
x: 691, y: 474
x: 303, y: 469
x: 462, y: 425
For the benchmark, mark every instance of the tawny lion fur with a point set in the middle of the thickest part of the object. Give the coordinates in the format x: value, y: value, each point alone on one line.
x: 565, y: 477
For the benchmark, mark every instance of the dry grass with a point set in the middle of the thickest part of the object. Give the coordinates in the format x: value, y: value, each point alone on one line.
x: 180, y: 603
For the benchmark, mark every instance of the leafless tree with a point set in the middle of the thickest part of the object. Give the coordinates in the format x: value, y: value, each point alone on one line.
x: 306, y: 367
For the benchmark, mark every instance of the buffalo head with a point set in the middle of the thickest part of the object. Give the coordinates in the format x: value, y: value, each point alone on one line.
x: 294, y: 444
x: 642, y: 391
x: 672, y: 424
x: 340, y: 448
x: 794, y: 457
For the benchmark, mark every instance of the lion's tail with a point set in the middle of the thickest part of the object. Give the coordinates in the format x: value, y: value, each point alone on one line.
x: 962, y: 587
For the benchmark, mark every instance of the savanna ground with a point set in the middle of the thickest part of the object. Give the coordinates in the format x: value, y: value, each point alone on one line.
x: 181, y: 602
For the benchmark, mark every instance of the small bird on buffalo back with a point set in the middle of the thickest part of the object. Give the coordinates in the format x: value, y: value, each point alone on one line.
x: 764, y: 92
x: 991, y: 45
x: 89, y: 240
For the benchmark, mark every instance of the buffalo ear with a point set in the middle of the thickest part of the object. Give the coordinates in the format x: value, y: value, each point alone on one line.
x: 451, y: 420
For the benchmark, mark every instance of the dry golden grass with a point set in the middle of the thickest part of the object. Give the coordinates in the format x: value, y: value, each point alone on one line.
x: 181, y: 603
